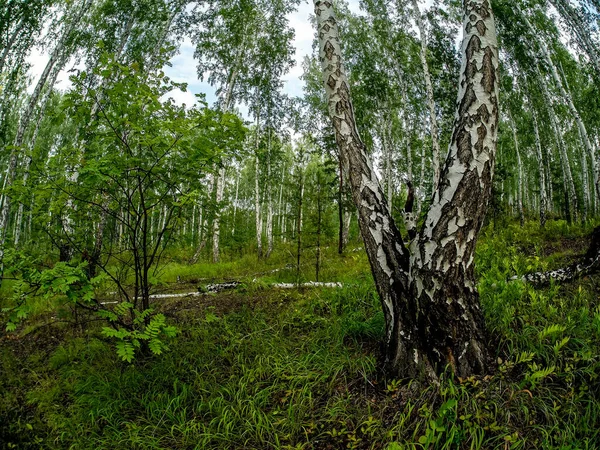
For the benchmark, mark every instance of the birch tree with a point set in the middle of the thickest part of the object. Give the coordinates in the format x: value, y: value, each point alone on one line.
x: 428, y: 294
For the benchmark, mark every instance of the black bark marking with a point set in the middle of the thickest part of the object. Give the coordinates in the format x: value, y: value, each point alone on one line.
x: 473, y: 47
x: 331, y: 82
x: 463, y: 144
x: 329, y: 50
x: 488, y: 70
x: 481, y: 28
x: 481, y: 134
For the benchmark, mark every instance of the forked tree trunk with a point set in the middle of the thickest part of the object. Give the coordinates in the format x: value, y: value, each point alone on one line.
x: 431, y: 307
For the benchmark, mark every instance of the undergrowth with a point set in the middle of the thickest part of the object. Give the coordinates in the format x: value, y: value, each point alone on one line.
x: 264, y: 369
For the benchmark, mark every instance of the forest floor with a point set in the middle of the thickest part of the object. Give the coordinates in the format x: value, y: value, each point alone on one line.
x: 261, y: 368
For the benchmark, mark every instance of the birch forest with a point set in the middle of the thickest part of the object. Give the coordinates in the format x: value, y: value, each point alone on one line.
x: 293, y: 224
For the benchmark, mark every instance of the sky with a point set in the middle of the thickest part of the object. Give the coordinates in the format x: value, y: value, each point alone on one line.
x: 183, y: 65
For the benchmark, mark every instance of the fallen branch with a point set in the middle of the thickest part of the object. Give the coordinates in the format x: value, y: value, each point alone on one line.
x: 308, y: 284
x: 590, y: 264
x: 220, y: 287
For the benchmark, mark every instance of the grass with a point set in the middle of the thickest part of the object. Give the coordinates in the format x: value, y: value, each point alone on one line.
x: 297, y: 370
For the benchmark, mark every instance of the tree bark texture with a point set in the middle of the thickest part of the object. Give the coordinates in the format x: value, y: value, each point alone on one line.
x: 428, y: 296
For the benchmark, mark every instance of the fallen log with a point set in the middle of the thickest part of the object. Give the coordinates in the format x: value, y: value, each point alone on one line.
x: 587, y: 266
x: 220, y: 287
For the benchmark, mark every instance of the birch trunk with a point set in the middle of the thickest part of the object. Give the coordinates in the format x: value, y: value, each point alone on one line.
x: 220, y: 186
x: 542, y: 176
x: 258, y: 217
x: 280, y: 210
x: 11, y: 41
x: 203, y: 223
x: 428, y: 296
x: 586, y: 187
x: 519, y: 172
x: 269, y: 215
x: 235, y: 202
x: 430, y: 99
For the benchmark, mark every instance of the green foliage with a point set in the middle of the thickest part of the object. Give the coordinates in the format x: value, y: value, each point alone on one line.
x: 148, y: 329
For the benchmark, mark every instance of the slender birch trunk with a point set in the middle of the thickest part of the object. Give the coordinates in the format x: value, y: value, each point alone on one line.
x: 217, y: 220
x: 542, y: 176
x: 220, y: 181
x: 586, y: 187
x: 519, y: 172
x: 33, y: 140
x: 257, y: 209
x: 430, y: 99
x: 428, y: 295
x: 280, y: 209
x: 299, y: 229
x: 235, y: 202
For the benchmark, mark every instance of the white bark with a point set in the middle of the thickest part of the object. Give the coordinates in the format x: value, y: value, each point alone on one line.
x: 235, y: 202
x: 575, y: 23
x: 10, y: 42
x: 257, y: 209
x: 542, y: 176
x: 217, y: 220
x: 519, y: 172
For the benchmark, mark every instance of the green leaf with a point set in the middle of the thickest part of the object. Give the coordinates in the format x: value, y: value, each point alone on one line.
x: 125, y: 350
